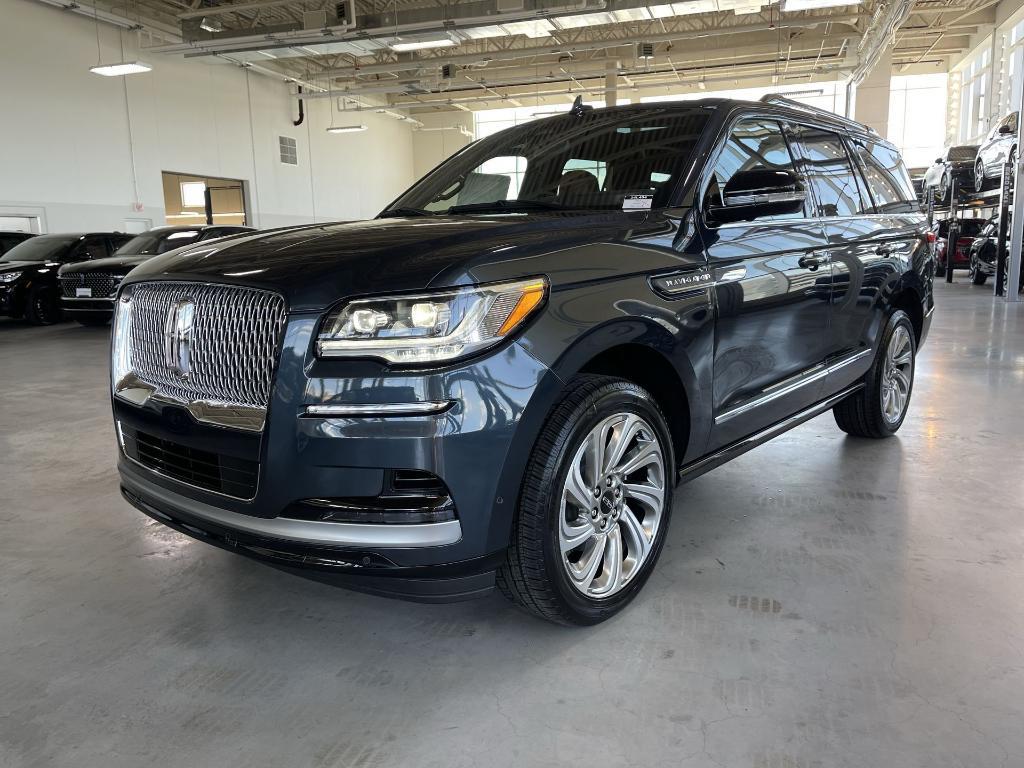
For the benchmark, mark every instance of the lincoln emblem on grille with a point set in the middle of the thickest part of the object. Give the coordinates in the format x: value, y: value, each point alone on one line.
x: 178, y: 337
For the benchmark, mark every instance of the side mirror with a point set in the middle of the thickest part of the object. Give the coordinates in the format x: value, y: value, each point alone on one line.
x: 756, y: 193
x: 940, y: 160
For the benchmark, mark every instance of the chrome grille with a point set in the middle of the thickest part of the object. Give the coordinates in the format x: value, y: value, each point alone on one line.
x: 234, y: 342
x: 103, y: 284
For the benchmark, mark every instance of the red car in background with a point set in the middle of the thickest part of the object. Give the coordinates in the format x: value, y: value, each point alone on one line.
x: 969, y: 229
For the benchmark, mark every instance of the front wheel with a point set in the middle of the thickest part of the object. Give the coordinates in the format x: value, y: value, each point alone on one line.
x: 977, y: 276
x: 41, y: 307
x: 942, y: 191
x: 594, y: 505
x: 979, y: 177
x: 879, y: 408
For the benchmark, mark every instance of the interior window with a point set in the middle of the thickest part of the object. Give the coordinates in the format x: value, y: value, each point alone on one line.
x: 752, y: 145
x: 91, y: 248
x: 499, y: 178
x: 887, y: 178
x: 828, y: 168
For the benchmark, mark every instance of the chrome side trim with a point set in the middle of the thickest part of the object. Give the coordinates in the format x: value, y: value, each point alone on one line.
x: 697, y: 468
x: 306, y: 531
x: 132, y: 389
x: 88, y: 298
x: 380, y: 409
x: 783, y: 388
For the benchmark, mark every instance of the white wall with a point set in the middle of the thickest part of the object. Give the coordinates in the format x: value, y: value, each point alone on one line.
x: 64, y: 133
x: 440, y: 138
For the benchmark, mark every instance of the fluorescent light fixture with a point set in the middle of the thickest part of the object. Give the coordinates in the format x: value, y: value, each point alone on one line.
x: 419, y: 44
x: 631, y: 14
x: 211, y: 24
x: 121, y: 68
x: 530, y: 28
x: 810, y: 5
x: 482, y: 33
x: 583, y: 20
x: 346, y: 128
x: 683, y: 9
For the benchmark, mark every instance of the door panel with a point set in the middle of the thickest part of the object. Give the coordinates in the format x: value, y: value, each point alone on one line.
x: 771, y: 325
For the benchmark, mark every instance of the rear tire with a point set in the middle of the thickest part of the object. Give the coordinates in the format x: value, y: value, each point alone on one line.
x: 979, y: 177
x: 41, y: 307
x: 870, y: 412
x: 584, y: 583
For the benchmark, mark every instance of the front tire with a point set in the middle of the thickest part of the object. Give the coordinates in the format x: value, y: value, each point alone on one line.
x: 41, y: 307
x: 942, y: 191
x: 979, y: 177
x: 977, y: 276
x: 594, y: 506
x: 878, y: 409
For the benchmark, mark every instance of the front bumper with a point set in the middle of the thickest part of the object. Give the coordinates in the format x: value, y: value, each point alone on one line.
x: 478, y: 448
x: 90, y: 305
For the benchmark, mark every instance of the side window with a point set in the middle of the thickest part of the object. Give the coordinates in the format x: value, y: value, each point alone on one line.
x: 753, y: 145
x: 178, y: 239
x: 93, y: 247
x: 497, y: 179
x: 887, y: 178
x: 828, y: 169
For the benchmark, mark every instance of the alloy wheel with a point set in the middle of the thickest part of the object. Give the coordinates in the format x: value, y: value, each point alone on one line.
x: 943, y: 188
x: 979, y: 177
x: 612, y: 505
x: 897, y: 375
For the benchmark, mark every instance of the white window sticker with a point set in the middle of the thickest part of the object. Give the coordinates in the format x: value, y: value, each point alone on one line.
x: 637, y: 202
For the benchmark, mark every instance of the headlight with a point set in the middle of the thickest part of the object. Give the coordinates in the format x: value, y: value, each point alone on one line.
x: 433, y: 327
x: 120, y: 349
x: 9, y: 277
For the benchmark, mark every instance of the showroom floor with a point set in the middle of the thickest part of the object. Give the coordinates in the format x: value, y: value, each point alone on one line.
x: 823, y: 601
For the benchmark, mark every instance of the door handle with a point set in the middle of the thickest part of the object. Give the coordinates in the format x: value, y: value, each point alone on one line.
x: 809, y: 262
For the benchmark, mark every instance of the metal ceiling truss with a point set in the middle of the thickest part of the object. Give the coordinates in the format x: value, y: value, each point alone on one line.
x: 509, y: 49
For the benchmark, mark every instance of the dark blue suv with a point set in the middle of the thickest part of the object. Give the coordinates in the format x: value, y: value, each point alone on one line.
x: 501, y: 379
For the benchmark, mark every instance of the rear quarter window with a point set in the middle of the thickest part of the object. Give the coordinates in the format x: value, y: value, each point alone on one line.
x: 888, y: 182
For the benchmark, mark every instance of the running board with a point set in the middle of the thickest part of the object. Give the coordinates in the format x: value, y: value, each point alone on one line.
x: 697, y: 468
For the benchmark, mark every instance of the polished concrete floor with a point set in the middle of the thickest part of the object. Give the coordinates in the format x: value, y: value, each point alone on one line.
x: 823, y: 601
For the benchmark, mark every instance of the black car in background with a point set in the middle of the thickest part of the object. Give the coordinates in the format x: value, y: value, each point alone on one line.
x: 999, y: 147
x: 28, y: 272
x: 499, y: 381
x: 10, y: 239
x: 983, y: 252
x: 955, y: 163
x: 87, y: 289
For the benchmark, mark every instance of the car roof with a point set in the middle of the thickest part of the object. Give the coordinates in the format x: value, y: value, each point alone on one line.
x: 779, y: 106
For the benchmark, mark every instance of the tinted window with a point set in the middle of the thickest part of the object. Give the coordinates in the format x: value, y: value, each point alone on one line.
x: 92, y: 247
x: 589, y: 161
x: 829, y: 171
x: 887, y: 177
x: 42, y: 248
x: 752, y: 145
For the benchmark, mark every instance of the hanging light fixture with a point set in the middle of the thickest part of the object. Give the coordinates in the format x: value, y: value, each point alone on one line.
x: 340, y: 128
x: 119, y: 68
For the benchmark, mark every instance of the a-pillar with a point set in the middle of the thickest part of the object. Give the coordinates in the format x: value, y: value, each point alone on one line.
x: 871, y: 105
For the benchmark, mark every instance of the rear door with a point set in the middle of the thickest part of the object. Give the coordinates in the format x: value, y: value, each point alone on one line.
x: 872, y: 248
x: 772, y: 311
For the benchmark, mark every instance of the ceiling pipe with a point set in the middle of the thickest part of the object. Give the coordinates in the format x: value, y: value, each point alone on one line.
x: 556, y: 49
x: 302, y: 110
x: 879, y: 35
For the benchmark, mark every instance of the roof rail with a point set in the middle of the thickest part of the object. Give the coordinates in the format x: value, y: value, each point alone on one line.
x: 782, y: 101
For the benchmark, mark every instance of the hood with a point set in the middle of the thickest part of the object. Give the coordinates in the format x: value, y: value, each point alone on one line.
x: 11, y: 266
x: 314, y: 267
x: 118, y: 265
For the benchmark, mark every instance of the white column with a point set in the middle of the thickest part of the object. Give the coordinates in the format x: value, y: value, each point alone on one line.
x: 872, y: 98
x: 1017, y: 219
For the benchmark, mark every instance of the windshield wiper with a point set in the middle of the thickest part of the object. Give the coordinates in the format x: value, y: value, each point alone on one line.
x: 503, y: 206
x: 391, y: 213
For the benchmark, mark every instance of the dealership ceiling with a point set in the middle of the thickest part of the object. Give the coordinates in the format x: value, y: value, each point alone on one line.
x: 422, y: 56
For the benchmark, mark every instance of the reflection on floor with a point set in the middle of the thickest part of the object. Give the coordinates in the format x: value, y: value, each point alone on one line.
x: 823, y: 601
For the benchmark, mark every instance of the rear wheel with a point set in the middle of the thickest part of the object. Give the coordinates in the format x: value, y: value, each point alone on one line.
x: 879, y: 408
x: 42, y: 307
x: 942, y: 191
x: 594, y: 506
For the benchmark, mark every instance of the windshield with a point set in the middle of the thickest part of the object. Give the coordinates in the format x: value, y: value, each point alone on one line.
x: 606, y: 160
x: 44, y: 248
x: 152, y: 243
